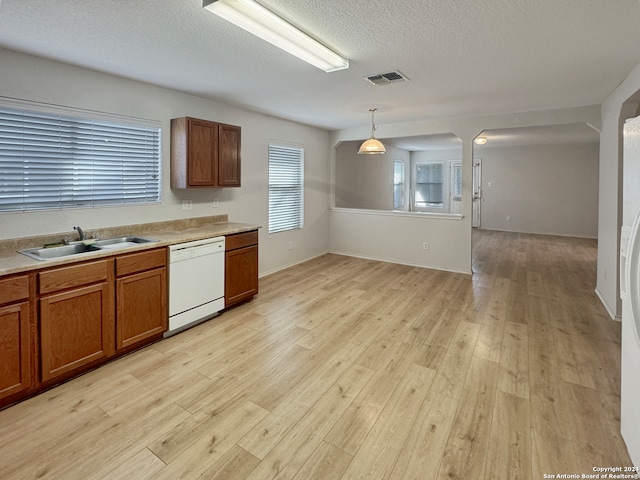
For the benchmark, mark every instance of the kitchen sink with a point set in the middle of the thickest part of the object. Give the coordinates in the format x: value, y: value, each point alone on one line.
x: 87, y: 246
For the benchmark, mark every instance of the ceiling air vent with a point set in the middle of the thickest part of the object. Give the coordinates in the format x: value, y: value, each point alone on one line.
x: 386, y: 78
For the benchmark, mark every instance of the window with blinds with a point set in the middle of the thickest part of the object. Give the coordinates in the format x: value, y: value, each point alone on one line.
x: 286, y: 188
x: 429, y: 185
x: 398, y: 185
x: 62, y: 159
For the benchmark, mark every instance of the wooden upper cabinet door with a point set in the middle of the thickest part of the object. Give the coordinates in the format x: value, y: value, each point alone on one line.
x: 229, y: 156
x: 203, y: 153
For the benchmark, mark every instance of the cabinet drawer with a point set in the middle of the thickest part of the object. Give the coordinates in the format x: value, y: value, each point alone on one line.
x: 73, y: 276
x: 14, y: 289
x: 240, y: 240
x: 139, y: 262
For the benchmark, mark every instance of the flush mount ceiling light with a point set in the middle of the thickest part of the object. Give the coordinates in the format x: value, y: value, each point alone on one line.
x: 373, y: 146
x: 480, y: 140
x: 256, y: 19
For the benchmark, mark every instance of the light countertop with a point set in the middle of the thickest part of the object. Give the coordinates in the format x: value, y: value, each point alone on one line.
x: 167, y: 233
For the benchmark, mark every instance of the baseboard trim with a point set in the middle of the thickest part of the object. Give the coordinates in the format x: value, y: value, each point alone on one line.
x: 611, y: 313
x: 409, y: 264
x: 288, y: 265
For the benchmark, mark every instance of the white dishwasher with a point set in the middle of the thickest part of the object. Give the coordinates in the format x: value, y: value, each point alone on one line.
x: 196, y: 282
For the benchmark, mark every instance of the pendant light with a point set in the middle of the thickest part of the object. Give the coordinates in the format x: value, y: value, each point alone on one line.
x: 373, y: 146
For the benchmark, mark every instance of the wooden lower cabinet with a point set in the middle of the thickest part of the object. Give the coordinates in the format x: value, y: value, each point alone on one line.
x: 87, y: 313
x: 15, y: 351
x: 141, y: 298
x: 76, y: 318
x: 241, y: 267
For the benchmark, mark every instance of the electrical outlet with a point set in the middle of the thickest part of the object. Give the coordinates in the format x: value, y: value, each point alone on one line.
x: 186, y: 204
x: 425, y: 245
x: 508, y: 218
x: 215, y: 202
x: 290, y: 245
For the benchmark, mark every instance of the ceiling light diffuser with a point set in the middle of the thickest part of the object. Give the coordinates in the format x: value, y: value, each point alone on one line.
x: 480, y: 140
x: 373, y: 146
x: 256, y: 19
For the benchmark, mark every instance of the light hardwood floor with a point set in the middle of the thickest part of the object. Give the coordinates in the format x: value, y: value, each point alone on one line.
x: 344, y: 368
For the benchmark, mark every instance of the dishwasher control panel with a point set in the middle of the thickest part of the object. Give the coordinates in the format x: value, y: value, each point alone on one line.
x: 198, y: 248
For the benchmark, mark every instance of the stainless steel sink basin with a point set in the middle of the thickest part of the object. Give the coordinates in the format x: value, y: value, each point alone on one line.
x: 78, y: 248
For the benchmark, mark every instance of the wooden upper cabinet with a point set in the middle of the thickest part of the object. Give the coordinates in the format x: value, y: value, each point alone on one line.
x: 204, y: 154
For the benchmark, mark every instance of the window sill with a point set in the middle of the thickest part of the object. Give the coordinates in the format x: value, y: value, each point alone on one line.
x: 400, y: 213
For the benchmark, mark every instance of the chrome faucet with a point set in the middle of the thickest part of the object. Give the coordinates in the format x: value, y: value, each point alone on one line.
x: 80, y: 232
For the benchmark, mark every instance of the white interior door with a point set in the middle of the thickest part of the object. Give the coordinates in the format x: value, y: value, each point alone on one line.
x: 477, y: 193
x: 455, y: 191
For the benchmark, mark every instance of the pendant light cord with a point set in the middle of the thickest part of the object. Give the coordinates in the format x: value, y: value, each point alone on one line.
x: 373, y: 125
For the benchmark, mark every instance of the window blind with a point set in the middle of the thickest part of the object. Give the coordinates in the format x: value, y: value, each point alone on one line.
x: 429, y: 184
x: 286, y: 188
x: 52, y: 160
x: 398, y: 184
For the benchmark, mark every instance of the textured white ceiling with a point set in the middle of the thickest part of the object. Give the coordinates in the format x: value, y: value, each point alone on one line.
x: 464, y: 57
x: 504, y: 137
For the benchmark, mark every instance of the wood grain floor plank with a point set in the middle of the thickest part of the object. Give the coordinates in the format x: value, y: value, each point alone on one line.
x: 590, y: 445
x: 353, y: 426
x: 113, y: 439
x: 292, y: 452
x: 514, y: 360
x: 261, y: 439
x: 465, y: 451
x: 451, y: 375
x: 142, y: 466
x: 236, y: 464
x: 424, y: 448
x: 212, y: 445
x: 489, y: 345
x: 509, y: 450
x: 326, y: 463
x: 377, y: 456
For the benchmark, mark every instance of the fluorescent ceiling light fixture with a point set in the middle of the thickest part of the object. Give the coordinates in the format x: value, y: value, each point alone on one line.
x: 480, y: 140
x: 373, y: 146
x: 256, y: 19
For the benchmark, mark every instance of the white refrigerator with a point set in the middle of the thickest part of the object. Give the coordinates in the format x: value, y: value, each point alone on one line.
x: 630, y: 290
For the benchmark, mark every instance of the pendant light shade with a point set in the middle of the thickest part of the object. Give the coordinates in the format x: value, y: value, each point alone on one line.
x: 373, y: 146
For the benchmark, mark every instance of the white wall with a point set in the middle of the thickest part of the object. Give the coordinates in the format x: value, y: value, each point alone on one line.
x: 548, y: 189
x: 619, y: 106
x: 365, y: 181
x: 31, y: 78
x: 399, y: 238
